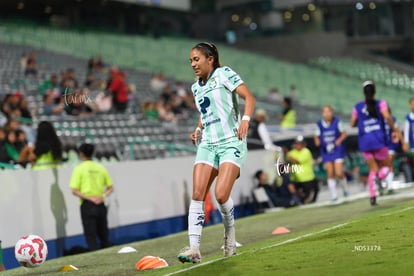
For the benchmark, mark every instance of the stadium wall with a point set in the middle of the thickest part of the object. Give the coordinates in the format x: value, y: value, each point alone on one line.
x: 298, y: 47
x: 150, y: 199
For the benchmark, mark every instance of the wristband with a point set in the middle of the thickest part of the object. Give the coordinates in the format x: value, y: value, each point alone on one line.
x: 198, y: 129
x: 246, y: 118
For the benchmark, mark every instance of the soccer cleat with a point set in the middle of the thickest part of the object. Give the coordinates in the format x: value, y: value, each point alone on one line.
x: 230, y: 243
x: 380, y: 186
x: 189, y: 255
x: 346, y: 194
x: 373, y: 201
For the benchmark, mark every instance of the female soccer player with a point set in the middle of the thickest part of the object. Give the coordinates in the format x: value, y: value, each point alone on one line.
x: 222, y: 148
x: 370, y: 117
x: 329, y: 137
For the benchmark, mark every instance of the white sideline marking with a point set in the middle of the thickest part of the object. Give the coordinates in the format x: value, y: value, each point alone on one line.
x: 398, y: 211
x: 266, y: 247
x: 305, y: 236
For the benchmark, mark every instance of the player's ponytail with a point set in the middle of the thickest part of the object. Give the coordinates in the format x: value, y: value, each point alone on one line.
x: 209, y: 50
x: 369, y: 92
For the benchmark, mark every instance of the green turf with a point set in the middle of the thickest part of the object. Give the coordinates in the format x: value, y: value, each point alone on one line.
x: 371, y: 242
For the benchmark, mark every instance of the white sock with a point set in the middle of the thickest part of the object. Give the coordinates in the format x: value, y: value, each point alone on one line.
x: 389, y: 179
x: 195, y: 222
x: 332, y: 187
x: 344, y: 184
x: 227, y: 213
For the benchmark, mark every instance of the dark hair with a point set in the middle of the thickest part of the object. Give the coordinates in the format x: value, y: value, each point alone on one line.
x: 47, y: 140
x: 8, y: 132
x: 369, y: 92
x: 87, y: 149
x: 209, y: 50
x: 288, y: 101
x: 258, y: 174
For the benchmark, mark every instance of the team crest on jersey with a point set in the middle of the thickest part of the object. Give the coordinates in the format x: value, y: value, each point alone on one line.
x: 213, y: 83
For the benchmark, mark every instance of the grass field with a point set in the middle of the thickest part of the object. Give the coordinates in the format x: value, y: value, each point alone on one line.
x: 350, y: 238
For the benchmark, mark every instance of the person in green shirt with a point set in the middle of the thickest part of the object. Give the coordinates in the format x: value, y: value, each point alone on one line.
x: 301, y: 167
x: 47, y: 152
x: 92, y: 184
x: 288, y: 117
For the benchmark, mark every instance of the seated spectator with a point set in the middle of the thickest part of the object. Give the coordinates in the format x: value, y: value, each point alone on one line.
x: 68, y: 80
x: 24, y: 109
x: 284, y: 187
x: 167, y: 95
x: 31, y: 66
x: 276, y: 194
x: 301, y: 160
x: 189, y: 101
x: 103, y: 102
x: 17, y: 151
x: 158, y: 83
x: 150, y: 111
x: 71, y: 78
x: 274, y: 95
x: 96, y: 64
x: 63, y: 77
x: 50, y: 86
x: 180, y: 89
x: 15, y: 125
x: 90, y: 81
x: 10, y: 104
x: 75, y: 104
x: 51, y: 108
x: 47, y: 151
x: 258, y: 136
x: 165, y: 113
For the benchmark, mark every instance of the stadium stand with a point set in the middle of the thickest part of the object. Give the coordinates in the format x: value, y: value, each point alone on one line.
x: 136, y: 138
x: 363, y: 70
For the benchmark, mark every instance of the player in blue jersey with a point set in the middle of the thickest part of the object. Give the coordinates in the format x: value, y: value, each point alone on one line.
x: 329, y: 137
x: 221, y: 139
x: 409, y: 129
x: 370, y: 116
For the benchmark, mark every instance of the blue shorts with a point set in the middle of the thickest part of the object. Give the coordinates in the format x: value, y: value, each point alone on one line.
x: 332, y: 157
x: 233, y: 151
x: 393, y: 147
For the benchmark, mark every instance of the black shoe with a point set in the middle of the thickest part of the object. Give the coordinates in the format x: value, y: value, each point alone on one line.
x: 373, y: 201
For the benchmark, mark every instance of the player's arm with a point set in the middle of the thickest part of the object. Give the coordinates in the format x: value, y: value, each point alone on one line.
x: 194, y: 136
x: 317, y: 141
x: 343, y: 135
x: 316, y: 135
x: 387, y: 117
x: 77, y: 193
x: 291, y: 159
x: 249, y: 105
x: 341, y: 138
x: 354, y: 118
x: 406, y: 141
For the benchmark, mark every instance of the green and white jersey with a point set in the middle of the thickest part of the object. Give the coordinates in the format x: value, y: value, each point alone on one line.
x: 218, y: 105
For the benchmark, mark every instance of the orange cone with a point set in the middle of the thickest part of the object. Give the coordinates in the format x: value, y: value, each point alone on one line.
x: 150, y: 262
x: 280, y: 230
